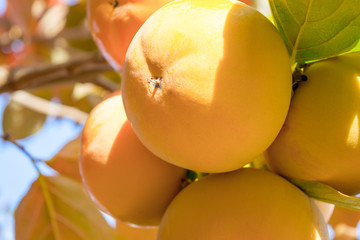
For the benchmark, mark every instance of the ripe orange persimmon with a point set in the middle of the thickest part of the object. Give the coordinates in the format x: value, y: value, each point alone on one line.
x: 320, y: 140
x: 124, y: 178
x: 209, y: 89
x: 113, y: 24
x: 243, y: 204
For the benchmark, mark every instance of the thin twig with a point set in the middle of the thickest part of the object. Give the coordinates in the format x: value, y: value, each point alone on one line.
x: 44, y: 187
x: 82, y: 70
x: 105, y: 83
x: 8, y: 139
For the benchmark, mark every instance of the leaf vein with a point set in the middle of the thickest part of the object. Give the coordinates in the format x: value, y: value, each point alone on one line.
x: 279, y: 22
x: 297, y: 41
x: 292, y: 15
x: 78, y: 231
x: 332, y: 38
x: 337, y: 9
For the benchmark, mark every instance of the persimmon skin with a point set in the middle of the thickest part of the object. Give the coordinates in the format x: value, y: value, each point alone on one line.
x: 204, y: 90
x: 320, y: 138
x: 243, y: 204
x: 113, y: 24
x: 126, y: 232
x: 124, y: 178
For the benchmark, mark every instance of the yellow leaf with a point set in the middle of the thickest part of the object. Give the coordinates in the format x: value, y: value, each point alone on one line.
x: 20, y: 122
x: 66, y: 161
x: 76, y: 217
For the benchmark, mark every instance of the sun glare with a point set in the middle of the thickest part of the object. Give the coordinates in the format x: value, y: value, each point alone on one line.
x: 317, y: 235
x: 353, y: 137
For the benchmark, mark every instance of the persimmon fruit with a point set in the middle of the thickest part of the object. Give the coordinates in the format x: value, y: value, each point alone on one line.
x: 123, y: 178
x: 113, y: 24
x: 320, y: 137
x: 244, y: 204
x: 209, y: 89
x: 127, y: 232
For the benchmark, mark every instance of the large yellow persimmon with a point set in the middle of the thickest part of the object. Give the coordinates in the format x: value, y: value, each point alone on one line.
x: 113, y: 24
x: 126, y: 232
x: 124, y: 178
x: 243, y: 204
x: 320, y: 138
x: 207, y: 84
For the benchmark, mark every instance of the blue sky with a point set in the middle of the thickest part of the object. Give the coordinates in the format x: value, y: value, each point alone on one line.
x: 2, y: 6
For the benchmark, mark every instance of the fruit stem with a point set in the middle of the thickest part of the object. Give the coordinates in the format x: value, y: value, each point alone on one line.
x: 298, y: 76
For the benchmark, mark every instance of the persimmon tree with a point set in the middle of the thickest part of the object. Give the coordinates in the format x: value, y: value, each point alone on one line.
x: 50, y: 66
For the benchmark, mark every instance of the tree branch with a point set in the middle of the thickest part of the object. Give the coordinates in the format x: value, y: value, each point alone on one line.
x: 49, y: 108
x: 82, y: 70
x: 23, y: 150
x: 105, y: 83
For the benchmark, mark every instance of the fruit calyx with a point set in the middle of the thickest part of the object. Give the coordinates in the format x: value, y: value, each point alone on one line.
x: 114, y: 3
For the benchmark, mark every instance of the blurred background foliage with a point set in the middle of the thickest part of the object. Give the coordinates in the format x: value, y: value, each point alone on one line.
x: 48, y: 51
x: 50, y: 67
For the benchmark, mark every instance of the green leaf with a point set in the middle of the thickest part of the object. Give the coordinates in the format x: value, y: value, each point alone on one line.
x: 317, y: 29
x: 87, y: 44
x: 20, y: 122
x: 76, y: 15
x: 326, y: 193
x: 114, y: 76
x: 76, y: 217
x: 356, y: 48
